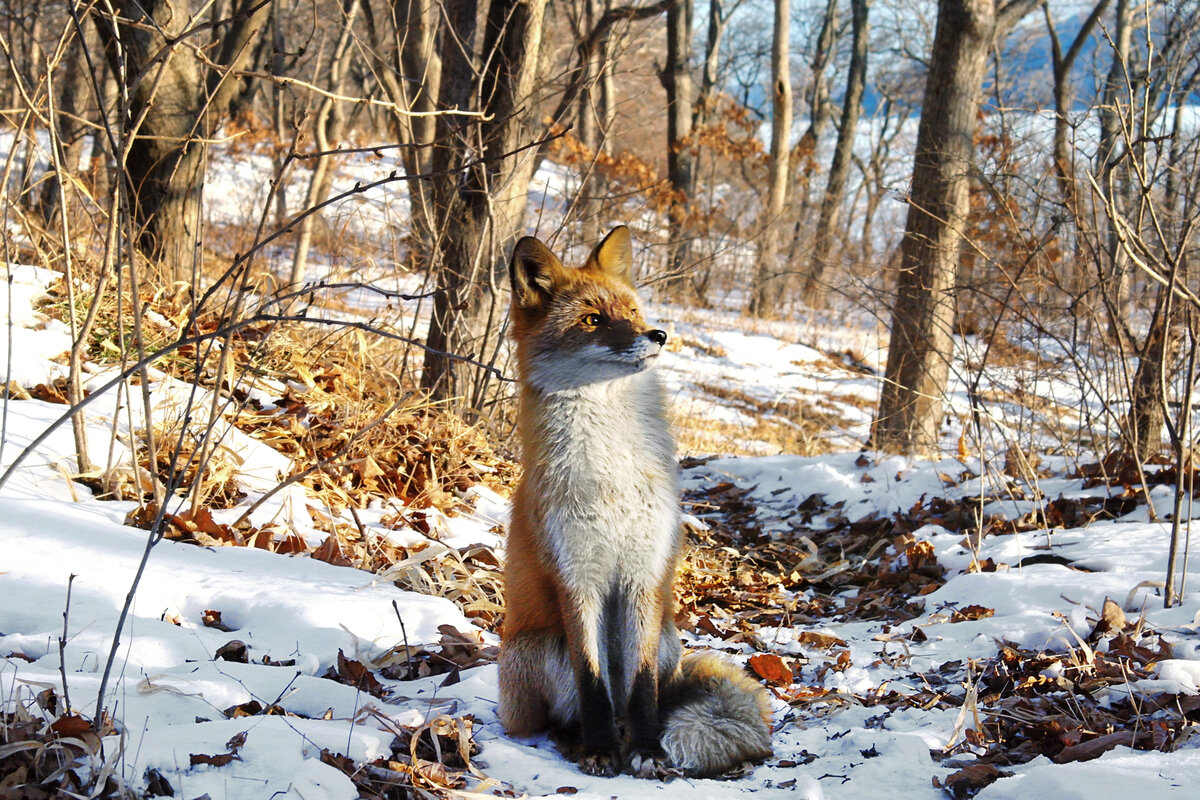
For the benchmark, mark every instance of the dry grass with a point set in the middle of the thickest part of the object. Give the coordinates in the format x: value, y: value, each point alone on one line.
x: 799, y: 428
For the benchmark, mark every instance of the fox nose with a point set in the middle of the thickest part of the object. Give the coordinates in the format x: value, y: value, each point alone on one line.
x: 657, y: 336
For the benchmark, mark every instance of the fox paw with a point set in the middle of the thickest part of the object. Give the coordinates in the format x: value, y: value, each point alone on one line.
x: 647, y: 765
x: 601, y: 764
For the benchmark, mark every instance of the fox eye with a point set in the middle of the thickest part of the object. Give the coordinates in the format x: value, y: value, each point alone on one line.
x: 593, y: 320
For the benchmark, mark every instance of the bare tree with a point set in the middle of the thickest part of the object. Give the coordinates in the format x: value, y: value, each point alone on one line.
x: 175, y: 69
x: 920, y: 348
x: 1062, y: 64
x: 839, y: 169
x: 1116, y: 113
x: 409, y: 70
x: 766, y: 286
x: 482, y: 167
x: 328, y: 124
x: 676, y: 77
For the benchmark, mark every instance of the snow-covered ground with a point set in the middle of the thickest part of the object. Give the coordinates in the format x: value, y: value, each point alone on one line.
x: 67, y: 563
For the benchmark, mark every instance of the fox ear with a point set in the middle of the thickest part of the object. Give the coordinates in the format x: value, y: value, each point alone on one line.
x: 614, y: 255
x: 533, y: 271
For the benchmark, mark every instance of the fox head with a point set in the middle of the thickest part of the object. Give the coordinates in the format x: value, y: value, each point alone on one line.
x: 579, y: 326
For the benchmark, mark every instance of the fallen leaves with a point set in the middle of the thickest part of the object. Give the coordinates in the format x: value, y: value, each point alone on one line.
x: 1066, y: 705
x: 971, y: 612
x: 346, y: 424
x: 430, y: 757
x: 221, y: 759
x: 212, y: 619
x: 354, y: 673
x: 825, y: 641
x: 38, y: 755
x: 970, y: 780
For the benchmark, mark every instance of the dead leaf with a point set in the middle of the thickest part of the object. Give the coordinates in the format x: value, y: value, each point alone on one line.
x: 70, y: 725
x: 235, y: 651
x: 330, y: 552
x: 971, y: 612
x: 772, y: 668
x: 466, y: 649
x: 964, y: 447
x: 212, y: 619
x: 221, y: 759
x: 919, y: 554
x: 971, y: 779
x: 825, y: 641
x: 1094, y: 748
x: 1112, y: 621
x: 49, y: 393
x: 353, y: 673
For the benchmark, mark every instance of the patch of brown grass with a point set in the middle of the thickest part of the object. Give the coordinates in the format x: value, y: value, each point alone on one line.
x: 798, y: 428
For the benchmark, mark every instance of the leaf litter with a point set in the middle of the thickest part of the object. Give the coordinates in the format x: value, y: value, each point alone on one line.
x: 840, y: 613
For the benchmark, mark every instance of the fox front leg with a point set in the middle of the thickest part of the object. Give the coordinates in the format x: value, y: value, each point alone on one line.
x: 644, y: 757
x: 599, y: 751
x: 657, y: 662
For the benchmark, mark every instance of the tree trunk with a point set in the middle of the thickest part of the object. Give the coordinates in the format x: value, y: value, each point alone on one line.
x: 677, y: 80
x: 804, y: 155
x: 328, y: 125
x: 920, y: 348
x: 712, y: 60
x: 1143, y: 434
x: 839, y: 169
x: 177, y: 106
x: 592, y: 126
x: 1113, y: 118
x: 480, y: 202
x: 766, y: 288
x: 417, y: 88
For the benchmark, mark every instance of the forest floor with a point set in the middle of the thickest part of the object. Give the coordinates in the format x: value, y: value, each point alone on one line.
x: 988, y: 624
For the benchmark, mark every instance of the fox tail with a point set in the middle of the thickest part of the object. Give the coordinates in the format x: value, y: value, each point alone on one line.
x: 715, y: 717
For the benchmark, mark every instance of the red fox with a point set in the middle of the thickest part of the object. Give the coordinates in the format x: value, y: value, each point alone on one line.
x: 590, y: 651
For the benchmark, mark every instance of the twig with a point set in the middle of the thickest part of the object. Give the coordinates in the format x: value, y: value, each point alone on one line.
x: 404, y: 633
x: 62, y: 650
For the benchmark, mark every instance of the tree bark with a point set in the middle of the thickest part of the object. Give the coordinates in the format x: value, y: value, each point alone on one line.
x: 177, y: 105
x: 804, y: 154
x: 328, y: 126
x: 1143, y: 434
x: 1113, y: 119
x: 920, y: 348
x: 677, y: 80
x: 480, y: 202
x: 417, y: 88
x: 766, y: 288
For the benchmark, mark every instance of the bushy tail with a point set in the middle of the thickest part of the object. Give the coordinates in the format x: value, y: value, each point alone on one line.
x: 714, y: 717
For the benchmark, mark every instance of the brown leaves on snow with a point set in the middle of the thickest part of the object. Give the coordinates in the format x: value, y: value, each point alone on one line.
x: 425, y: 758
x: 38, y: 752
x: 220, y: 759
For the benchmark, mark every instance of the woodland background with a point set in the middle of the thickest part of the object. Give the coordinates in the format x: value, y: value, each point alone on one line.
x: 964, y: 170
x: 1001, y: 196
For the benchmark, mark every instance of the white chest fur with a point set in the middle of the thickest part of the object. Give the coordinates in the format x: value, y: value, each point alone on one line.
x: 600, y: 463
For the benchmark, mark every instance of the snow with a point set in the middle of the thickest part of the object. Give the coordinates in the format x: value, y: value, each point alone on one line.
x: 168, y: 692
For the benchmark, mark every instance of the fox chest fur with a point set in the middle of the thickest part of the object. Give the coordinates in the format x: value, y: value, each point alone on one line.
x: 601, y: 484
